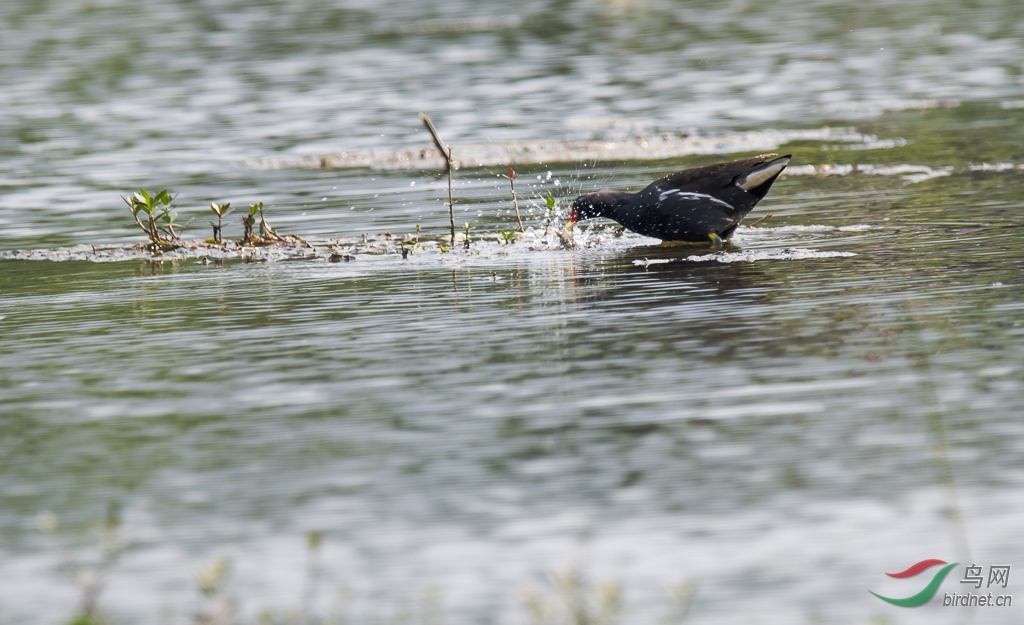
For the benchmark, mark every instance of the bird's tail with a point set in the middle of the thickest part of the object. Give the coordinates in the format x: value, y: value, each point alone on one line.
x: 758, y: 180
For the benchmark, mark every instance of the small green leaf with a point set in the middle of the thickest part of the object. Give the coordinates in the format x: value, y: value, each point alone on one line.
x: 551, y: 201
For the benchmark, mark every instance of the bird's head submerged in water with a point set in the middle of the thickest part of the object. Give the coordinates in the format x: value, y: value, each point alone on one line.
x: 592, y: 205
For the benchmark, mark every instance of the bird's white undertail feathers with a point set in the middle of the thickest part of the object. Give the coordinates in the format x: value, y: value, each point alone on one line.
x: 762, y: 174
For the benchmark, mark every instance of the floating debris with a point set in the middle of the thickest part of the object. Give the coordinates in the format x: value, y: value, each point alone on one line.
x: 290, y: 248
x: 650, y: 147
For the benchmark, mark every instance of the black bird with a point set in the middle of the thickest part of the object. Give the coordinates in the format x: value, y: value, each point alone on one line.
x: 699, y: 204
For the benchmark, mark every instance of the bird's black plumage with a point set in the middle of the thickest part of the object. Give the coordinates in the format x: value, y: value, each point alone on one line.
x: 690, y: 205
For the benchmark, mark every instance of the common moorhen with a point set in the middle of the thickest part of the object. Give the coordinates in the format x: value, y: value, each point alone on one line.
x: 699, y: 204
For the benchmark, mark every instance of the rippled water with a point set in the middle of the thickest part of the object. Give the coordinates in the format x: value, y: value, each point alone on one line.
x: 833, y: 397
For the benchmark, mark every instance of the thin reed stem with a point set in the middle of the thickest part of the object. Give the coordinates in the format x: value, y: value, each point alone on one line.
x: 515, y: 200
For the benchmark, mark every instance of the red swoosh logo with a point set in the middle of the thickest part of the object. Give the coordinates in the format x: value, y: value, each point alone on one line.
x: 915, y: 569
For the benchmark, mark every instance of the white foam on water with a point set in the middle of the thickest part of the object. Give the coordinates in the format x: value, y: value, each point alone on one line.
x: 910, y: 173
x: 747, y: 231
x: 793, y: 253
x: 996, y: 167
x: 639, y: 147
x: 877, y: 107
x: 485, y: 247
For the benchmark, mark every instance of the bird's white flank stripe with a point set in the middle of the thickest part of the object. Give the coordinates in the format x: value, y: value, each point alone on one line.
x: 689, y: 195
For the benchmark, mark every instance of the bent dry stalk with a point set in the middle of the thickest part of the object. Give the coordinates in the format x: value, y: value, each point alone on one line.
x: 768, y: 216
x: 446, y: 154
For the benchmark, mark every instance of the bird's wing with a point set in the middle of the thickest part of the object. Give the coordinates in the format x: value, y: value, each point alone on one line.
x: 708, y: 178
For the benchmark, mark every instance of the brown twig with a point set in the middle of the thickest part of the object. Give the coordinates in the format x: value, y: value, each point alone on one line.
x: 446, y: 153
x: 768, y: 216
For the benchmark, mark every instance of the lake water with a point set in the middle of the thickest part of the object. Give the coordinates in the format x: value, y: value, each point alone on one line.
x: 835, y: 396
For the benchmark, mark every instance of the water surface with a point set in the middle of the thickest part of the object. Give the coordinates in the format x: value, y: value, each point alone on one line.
x: 777, y: 432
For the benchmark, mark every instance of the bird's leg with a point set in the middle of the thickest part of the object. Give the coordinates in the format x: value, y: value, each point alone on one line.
x: 716, y: 241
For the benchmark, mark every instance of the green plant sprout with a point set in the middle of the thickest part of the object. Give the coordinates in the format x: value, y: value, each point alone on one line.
x: 248, y: 222
x: 468, y: 226
x: 444, y: 247
x: 159, y: 220
x: 551, y: 202
x: 509, y: 236
x: 220, y: 210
